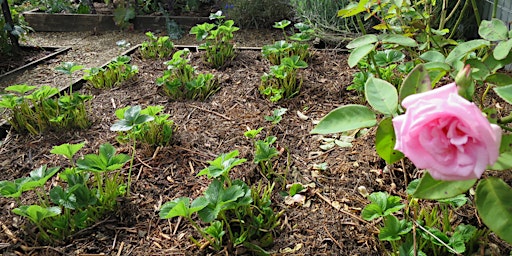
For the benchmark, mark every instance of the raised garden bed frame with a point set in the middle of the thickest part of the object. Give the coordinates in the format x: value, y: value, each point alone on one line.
x: 64, y: 22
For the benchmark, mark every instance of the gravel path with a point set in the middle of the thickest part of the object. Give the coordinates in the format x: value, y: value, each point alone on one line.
x: 87, y: 49
x: 95, y: 49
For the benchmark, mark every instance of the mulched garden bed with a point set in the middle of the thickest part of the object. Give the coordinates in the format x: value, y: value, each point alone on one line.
x: 327, y: 224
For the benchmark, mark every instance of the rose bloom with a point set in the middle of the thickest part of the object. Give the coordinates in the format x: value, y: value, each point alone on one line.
x: 446, y: 134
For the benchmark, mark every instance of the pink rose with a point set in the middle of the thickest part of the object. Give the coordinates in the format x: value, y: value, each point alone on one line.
x: 446, y: 134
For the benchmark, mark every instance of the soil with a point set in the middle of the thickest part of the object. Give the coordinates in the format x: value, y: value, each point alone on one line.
x: 328, y: 223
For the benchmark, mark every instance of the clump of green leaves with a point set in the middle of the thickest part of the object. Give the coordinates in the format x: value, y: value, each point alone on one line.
x: 292, y: 45
x: 114, y: 74
x: 156, y: 47
x: 434, y: 233
x: 277, y: 115
x: 219, y: 36
x: 85, y: 191
x: 283, y: 80
x: 237, y: 215
x: 265, y: 154
x: 148, y: 126
x: 181, y: 81
x: 39, y: 110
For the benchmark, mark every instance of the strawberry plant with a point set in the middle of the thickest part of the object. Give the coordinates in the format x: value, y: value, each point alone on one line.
x: 156, y: 47
x: 39, y: 111
x: 181, y: 81
x: 284, y: 48
x: 82, y: 195
x: 114, y: 74
x: 237, y: 214
x: 282, y: 81
x: 219, y: 36
x: 156, y: 131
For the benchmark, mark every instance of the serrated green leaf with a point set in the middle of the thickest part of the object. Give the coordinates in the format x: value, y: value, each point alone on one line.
x: 106, y: 160
x: 371, y: 211
x: 222, y: 165
x: 387, y: 57
x: 67, y: 150
x: 456, y: 201
x: 38, y: 177
x: 10, y: 189
x: 20, y: 88
x: 62, y: 198
x: 177, y: 207
x: 37, y: 213
x: 353, y: 9
x: 346, y: 118
x: 493, y: 204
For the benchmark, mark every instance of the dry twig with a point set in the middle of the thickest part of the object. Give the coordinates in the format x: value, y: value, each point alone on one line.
x: 211, y: 112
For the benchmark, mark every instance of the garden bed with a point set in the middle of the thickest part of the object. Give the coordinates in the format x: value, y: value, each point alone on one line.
x: 326, y: 224
x: 67, y: 22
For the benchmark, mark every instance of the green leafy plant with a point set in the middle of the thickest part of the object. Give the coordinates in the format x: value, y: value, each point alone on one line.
x: 181, y: 81
x: 39, y: 111
x: 148, y: 126
x: 284, y: 48
x: 434, y: 232
x: 219, y: 36
x: 123, y: 15
x: 251, y: 134
x: 68, y: 68
x: 265, y: 154
x: 83, y: 194
x: 487, y: 55
x: 283, y: 81
x: 114, y: 74
x: 277, y: 115
x: 130, y: 122
x: 230, y: 208
x: 156, y: 47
